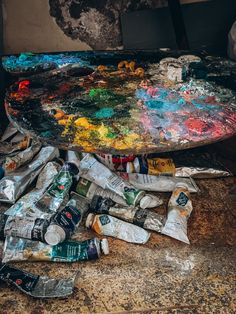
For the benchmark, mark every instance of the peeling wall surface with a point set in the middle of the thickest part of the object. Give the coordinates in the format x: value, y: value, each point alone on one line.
x: 28, y: 26
x: 64, y: 25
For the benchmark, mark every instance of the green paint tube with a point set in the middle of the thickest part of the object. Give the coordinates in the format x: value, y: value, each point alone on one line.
x: 16, y: 249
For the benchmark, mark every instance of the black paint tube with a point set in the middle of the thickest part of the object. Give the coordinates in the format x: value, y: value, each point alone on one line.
x: 141, y: 217
x: 34, y: 285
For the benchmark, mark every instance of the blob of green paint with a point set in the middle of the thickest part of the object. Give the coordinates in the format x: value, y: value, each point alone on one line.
x: 104, y: 113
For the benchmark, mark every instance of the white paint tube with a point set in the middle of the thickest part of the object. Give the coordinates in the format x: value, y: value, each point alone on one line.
x: 14, y: 185
x: 93, y: 170
x: 114, y: 227
x: 157, y: 183
x: 18, y: 250
x: 179, y: 210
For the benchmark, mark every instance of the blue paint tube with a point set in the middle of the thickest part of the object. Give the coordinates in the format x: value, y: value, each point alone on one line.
x: 1, y: 172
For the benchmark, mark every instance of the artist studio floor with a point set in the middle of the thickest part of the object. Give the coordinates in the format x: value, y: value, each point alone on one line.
x: 163, y: 276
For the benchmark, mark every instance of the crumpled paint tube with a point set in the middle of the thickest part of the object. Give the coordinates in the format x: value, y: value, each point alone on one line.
x: 179, y: 210
x: 141, y: 217
x: 34, y: 285
x: 8, y: 148
x: 25, y: 206
x: 56, y: 194
x: 114, y: 227
x: 64, y: 222
x: 27, y: 228
x: 13, y: 186
x: 20, y: 159
x: 93, y: 170
x: 158, y: 183
x: 17, y: 250
x: 201, y: 172
x: 88, y: 189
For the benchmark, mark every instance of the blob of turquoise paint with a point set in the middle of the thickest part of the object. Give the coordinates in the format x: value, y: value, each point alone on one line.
x: 104, y: 113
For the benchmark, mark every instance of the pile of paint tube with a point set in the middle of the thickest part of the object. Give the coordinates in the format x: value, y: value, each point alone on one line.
x: 52, y: 193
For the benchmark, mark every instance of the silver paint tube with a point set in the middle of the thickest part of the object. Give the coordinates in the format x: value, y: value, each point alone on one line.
x: 25, y: 206
x: 20, y: 159
x: 13, y: 186
x: 34, y: 285
x: 157, y: 183
x: 141, y: 217
x: 93, y: 170
x: 18, y: 250
x: 9, y: 132
x: 201, y: 172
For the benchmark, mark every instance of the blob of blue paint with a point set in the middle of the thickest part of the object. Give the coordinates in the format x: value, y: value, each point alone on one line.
x: 104, y: 113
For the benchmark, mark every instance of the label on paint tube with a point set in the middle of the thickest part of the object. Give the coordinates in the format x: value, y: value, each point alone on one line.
x: 88, y: 189
x: 152, y: 166
x: 158, y: 183
x: 93, y: 170
x: 16, y: 249
x: 138, y: 216
x: 34, y: 285
x: 33, y: 229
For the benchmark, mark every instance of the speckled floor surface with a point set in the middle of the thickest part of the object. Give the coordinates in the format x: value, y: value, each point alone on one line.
x: 163, y: 276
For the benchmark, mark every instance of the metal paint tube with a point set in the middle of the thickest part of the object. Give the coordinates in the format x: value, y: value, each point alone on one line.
x: 141, y: 217
x: 13, y: 186
x: 25, y: 206
x: 158, y: 183
x: 201, y: 172
x: 151, y: 166
x: 56, y: 194
x: 17, y: 250
x: 88, y: 189
x: 65, y: 221
x: 93, y: 170
x: 8, y: 148
x: 179, y: 210
x: 34, y: 285
x: 20, y: 159
x: 114, y: 227
x: 27, y: 228
x: 115, y: 162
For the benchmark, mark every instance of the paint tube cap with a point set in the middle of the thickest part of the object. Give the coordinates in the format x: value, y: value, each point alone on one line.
x: 181, y: 185
x: 130, y: 167
x: 89, y: 220
x: 105, y: 246
x: 54, y: 235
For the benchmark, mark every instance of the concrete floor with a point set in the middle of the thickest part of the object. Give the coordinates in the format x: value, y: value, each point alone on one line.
x: 163, y: 276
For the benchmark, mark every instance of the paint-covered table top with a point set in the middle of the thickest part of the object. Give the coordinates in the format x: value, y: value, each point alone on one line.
x: 122, y: 102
